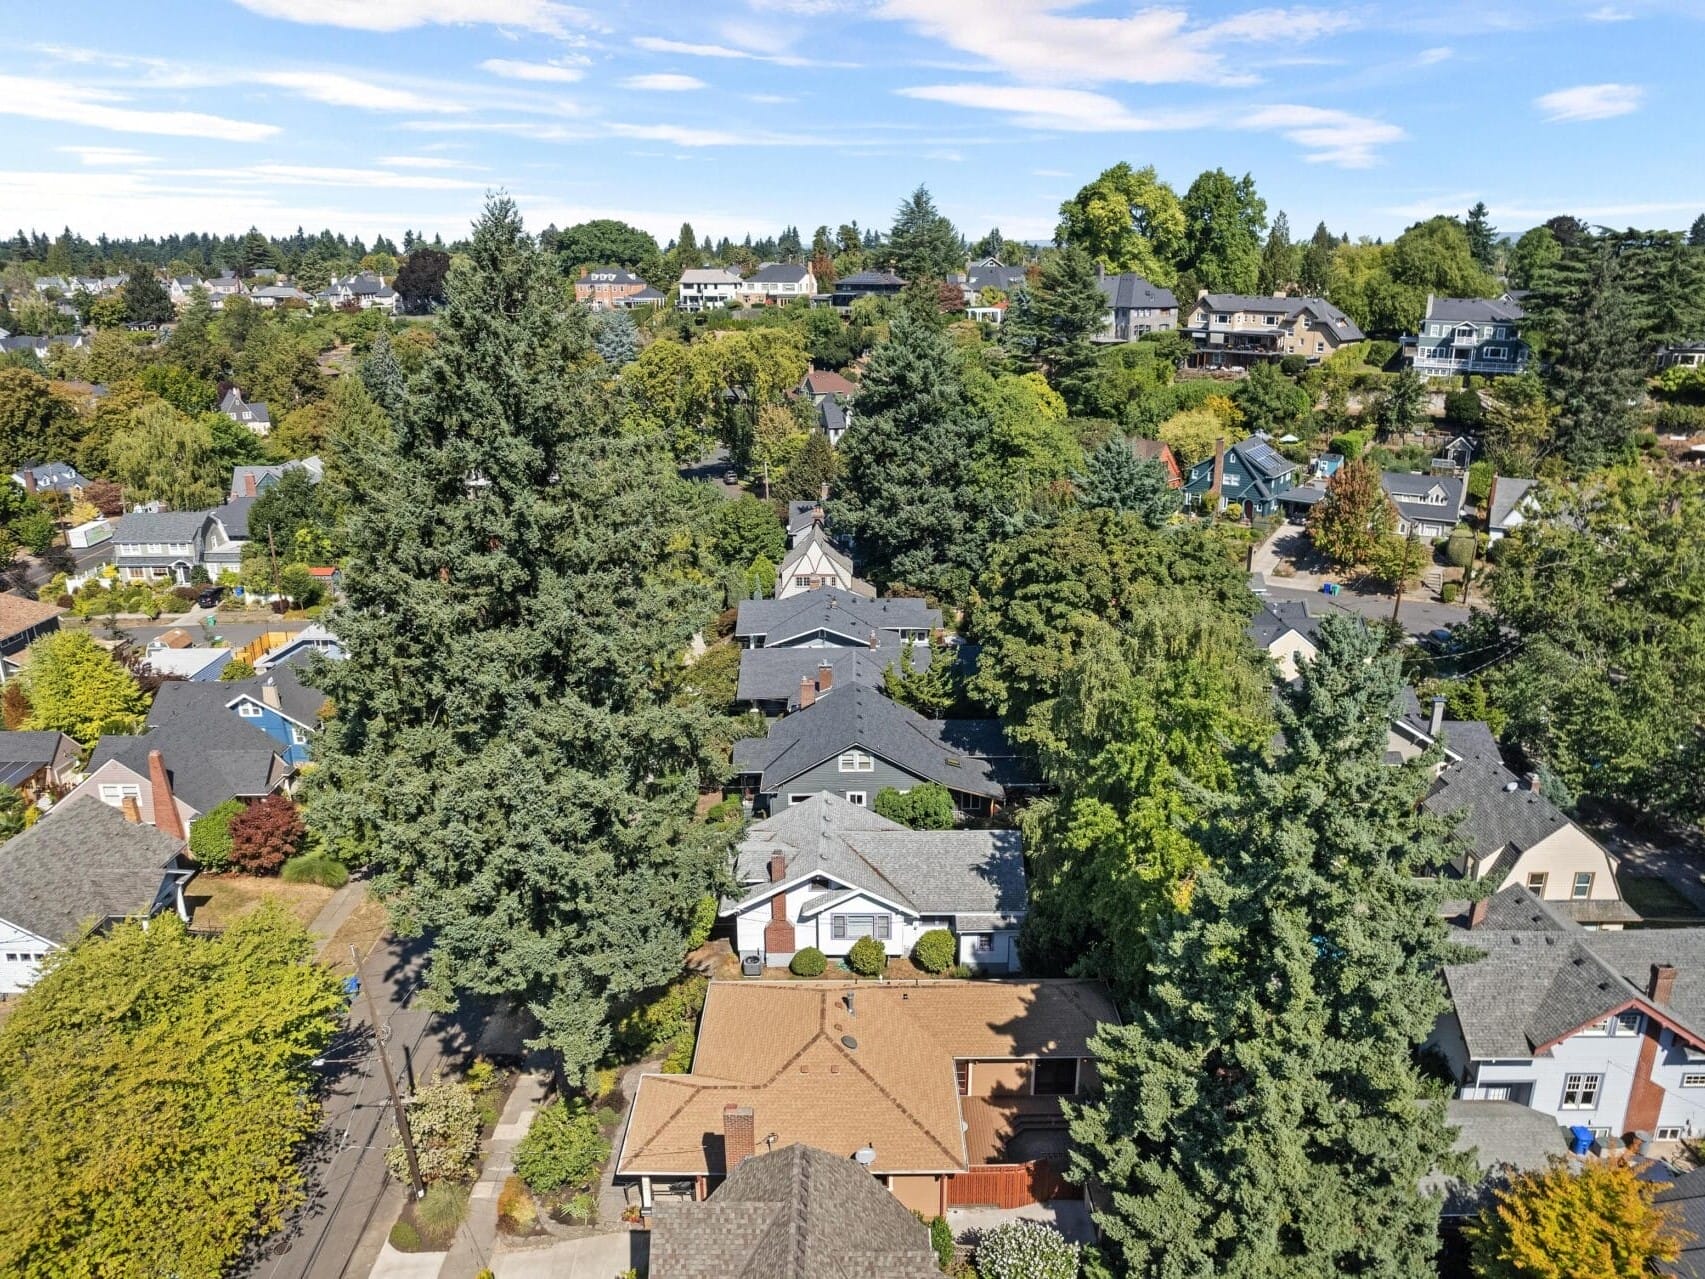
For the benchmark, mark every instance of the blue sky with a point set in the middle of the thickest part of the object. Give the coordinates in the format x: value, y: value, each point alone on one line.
x: 748, y: 115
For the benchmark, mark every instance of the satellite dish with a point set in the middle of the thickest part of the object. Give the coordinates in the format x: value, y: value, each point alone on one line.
x: 865, y: 1155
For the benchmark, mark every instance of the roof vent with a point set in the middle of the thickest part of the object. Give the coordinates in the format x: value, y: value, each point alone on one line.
x: 847, y: 1041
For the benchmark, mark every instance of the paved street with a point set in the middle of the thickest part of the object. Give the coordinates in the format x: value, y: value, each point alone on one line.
x: 1418, y: 615
x: 712, y: 467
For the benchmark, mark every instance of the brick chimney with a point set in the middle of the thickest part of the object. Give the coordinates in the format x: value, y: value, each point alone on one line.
x: 1477, y: 911
x: 825, y: 677
x: 1532, y: 780
x: 739, y: 1134
x: 269, y: 695
x: 807, y: 691
x: 1491, y: 500
x: 778, y: 868
x: 872, y: 640
x: 1219, y: 467
x: 823, y: 491
x: 1437, y: 720
x: 166, y: 817
x: 249, y: 486
x: 29, y: 474
x: 131, y: 809
x: 1662, y: 985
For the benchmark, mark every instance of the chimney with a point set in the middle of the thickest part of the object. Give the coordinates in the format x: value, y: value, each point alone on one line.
x: 739, y: 1132
x: 1662, y: 985
x: 1477, y: 911
x: 825, y: 677
x: 1491, y: 500
x: 1532, y: 780
x: 249, y: 489
x: 166, y: 817
x: 29, y: 474
x: 131, y: 810
x: 1219, y: 466
x: 823, y: 492
x: 873, y: 639
x: 778, y: 868
x: 269, y: 695
x: 1437, y: 721
x: 807, y: 691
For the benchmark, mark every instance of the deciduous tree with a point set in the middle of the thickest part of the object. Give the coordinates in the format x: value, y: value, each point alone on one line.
x: 1355, y: 517
x: 76, y: 688
x: 1128, y: 220
x: 1591, y: 1221
x: 1223, y: 221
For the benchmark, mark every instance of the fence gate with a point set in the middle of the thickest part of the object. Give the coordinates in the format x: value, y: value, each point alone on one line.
x: 1010, y: 1185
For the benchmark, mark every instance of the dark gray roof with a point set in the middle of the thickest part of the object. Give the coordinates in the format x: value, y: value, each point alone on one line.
x: 966, y: 755
x: 1262, y: 459
x: 1506, y: 1137
x: 233, y: 517
x: 1005, y: 278
x: 209, y: 759
x: 1319, y: 309
x: 976, y: 873
x: 870, y: 279
x: 832, y: 414
x: 58, y: 477
x: 85, y: 862
x: 773, y: 674
x: 832, y: 609
x: 38, y: 748
x: 779, y: 273
x: 1129, y: 290
x: 215, y: 699
x: 797, y: 1213
x: 801, y: 516
x: 160, y: 526
x: 1685, y: 1199
x: 1493, y: 817
x: 1473, y: 310
x: 814, y: 536
x: 1405, y: 487
x: 1278, y: 618
x: 1507, y: 495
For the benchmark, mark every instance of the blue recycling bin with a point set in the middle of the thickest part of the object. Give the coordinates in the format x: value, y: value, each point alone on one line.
x: 1580, y: 1140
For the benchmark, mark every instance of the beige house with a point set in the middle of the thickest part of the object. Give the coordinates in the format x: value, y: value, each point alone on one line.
x: 1233, y: 330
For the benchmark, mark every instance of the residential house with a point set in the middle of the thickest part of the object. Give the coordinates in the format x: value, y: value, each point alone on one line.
x: 39, y: 764
x: 278, y: 703
x: 822, y: 384
x: 184, y: 767
x: 647, y: 296
x: 1480, y: 336
x: 252, y: 481
x: 921, y: 1083
x: 162, y: 546
x: 1158, y: 451
x: 833, y: 396
x: 1599, y: 1029
x: 777, y: 283
x: 1511, y: 834
x: 827, y: 872
x: 1685, y: 355
x: 815, y: 563
x: 223, y: 288
x: 41, y: 345
x: 1251, y: 474
x: 1286, y: 633
x: 793, y: 1213
x: 1232, y: 330
x: 1508, y: 505
x: 254, y: 416
x: 196, y: 665
x: 313, y: 638
x: 227, y: 534
x: 1428, y: 505
x: 1684, y: 1201
x: 51, y: 477
x: 22, y: 622
x: 82, y: 867
x: 1135, y: 307
x: 865, y: 284
x: 703, y: 288
x: 775, y: 681
x: 271, y: 296
x: 855, y: 742
x: 607, y: 288
x: 832, y: 618
x: 181, y: 288
x: 365, y: 290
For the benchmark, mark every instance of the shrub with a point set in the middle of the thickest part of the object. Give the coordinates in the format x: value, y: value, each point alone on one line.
x: 516, y: 1212
x: 1375, y: 354
x: 405, y: 1238
x: 936, y: 951
x: 1348, y: 444
x: 441, y: 1211
x: 1448, y: 592
x: 563, y: 1147
x: 1293, y: 365
x: 704, y: 919
x: 941, y: 1239
x: 649, y: 1027
x: 266, y: 835
x: 582, y: 1208
x: 1465, y: 407
x: 1460, y: 547
x: 236, y: 669
x: 925, y: 807
x: 446, y: 1124
x: 210, y: 835
x: 679, y: 1059
x: 604, y: 1082
x: 1479, y: 485
x: 867, y: 958
x: 185, y: 593
x: 728, y: 810
x: 1026, y: 1250
x: 809, y: 962
x: 315, y: 868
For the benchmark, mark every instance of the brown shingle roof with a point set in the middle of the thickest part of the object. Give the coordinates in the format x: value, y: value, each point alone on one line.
x: 19, y: 614
x: 781, y: 1049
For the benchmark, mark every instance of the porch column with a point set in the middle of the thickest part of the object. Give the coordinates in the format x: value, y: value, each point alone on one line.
x: 645, y: 1201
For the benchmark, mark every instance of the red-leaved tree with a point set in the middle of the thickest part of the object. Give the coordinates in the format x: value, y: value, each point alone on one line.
x: 265, y: 835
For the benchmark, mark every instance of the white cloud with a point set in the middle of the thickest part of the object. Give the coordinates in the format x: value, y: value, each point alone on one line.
x: 1610, y: 13
x: 663, y: 82
x: 320, y: 175
x: 544, y: 16
x: 418, y: 162
x: 1432, y: 57
x: 352, y: 91
x: 1075, y: 110
x: 65, y: 104
x: 122, y: 156
x: 1035, y: 40
x: 1328, y: 136
x: 1590, y: 102
x: 770, y: 99
x: 511, y: 69
x: 656, y: 44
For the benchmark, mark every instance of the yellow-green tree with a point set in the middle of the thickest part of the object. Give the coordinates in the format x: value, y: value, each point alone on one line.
x: 1597, y: 1221
x: 1192, y: 434
x: 163, y: 455
x: 155, y: 1092
x: 76, y: 688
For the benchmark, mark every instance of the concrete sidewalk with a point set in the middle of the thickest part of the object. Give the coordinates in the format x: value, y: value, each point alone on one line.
x: 476, y: 1241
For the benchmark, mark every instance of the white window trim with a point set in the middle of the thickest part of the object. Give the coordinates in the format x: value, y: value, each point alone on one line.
x: 857, y: 761
x: 1693, y: 1081
x: 796, y: 799
x: 248, y: 710
x: 857, y: 797
x: 1585, y: 1085
x: 1579, y: 892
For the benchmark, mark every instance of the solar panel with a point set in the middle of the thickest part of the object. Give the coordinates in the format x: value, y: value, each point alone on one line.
x: 1264, y: 457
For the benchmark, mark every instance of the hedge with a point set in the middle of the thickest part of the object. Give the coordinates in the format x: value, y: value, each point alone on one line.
x: 867, y: 957
x: 809, y: 962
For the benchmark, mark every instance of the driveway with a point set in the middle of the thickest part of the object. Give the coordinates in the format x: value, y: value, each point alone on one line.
x: 711, y: 468
x: 1069, y: 1216
x: 1418, y: 615
x: 605, y: 1256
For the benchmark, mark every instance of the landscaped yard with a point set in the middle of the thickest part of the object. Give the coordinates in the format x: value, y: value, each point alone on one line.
x: 1653, y: 898
x: 217, y: 901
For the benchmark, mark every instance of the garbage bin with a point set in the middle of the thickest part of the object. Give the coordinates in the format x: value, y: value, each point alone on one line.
x: 751, y: 964
x: 1580, y: 1140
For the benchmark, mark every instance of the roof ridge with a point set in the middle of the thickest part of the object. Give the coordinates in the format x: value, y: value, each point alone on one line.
x: 882, y: 1088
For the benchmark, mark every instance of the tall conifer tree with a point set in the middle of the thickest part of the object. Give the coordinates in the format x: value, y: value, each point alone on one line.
x: 505, y: 746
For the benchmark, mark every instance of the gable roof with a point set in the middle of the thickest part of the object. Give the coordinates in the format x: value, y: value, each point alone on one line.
x: 870, y: 279
x: 1507, y: 497
x: 796, y: 1213
x: 60, y: 477
x: 828, y: 382
x: 200, y: 702
x: 977, y: 873
x: 1319, y: 310
x: 879, y: 1074
x: 1128, y: 290
x: 1405, y: 488
x: 240, y: 475
x: 85, y: 862
x: 709, y: 275
x: 1684, y: 1198
x: 835, y: 610
x: 814, y: 537
x: 209, y: 759
x: 1473, y: 310
x: 160, y: 526
x: 233, y: 517
x: 779, y: 273
x: 610, y: 275
x: 967, y: 755
x: 1277, y: 618
x: 1497, y: 809
x: 774, y: 674
x: 24, y: 753
x: 19, y: 613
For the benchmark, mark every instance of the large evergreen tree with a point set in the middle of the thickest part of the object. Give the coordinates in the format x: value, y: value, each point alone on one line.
x: 1262, y: 1114
x: 1067, y: 309
x: 924, y: 244
x: 1278, y: 259
x: 1597, y: 372
x: 145, y: 298
x: 383, y: 376
x: 1482, y: 236
x: 1315, y: 268
x: 505, y: 747
x: 1116, y: 479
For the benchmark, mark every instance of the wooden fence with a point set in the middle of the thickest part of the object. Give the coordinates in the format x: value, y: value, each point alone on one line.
x: 1010, y: 1185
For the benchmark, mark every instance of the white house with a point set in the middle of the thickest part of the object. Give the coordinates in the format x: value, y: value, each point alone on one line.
x: 1508, y: 505
x: 705, y: 287
x: 826, y: 872
x: 813, y: 563
x: 1286, y: 633
x: 1605, y: 1030
x: 775, y: 283
x: 1430, y: 505
x: 364, y: 289
x: 254, y: 415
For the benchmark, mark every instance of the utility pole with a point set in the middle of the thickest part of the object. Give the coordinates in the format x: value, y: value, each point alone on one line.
x: 390, y: 1081
x: 1468, y: 577
x: 1402, y: 575
x: 272, y: 554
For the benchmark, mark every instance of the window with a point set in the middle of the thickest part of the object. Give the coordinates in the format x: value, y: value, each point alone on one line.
x: 796, y: 799
x: 1583, y: 885
x: 1580, y: 1092
x: 248, y: 710
x: 113, y: 794
x: 848, y: 927
x: 802, y: 579
x: 1673, y: 1133
x: 856, y: 797
x: 856, y: 761
x: 1495, y: 353
x: 1054, y: 1077
x: 1597, y: 1028
x: 1272, y: 319
x: 962, y: 1077
x: 1319, y: 346
x: 297, y: 736
x: 982, y: 944
x: 1536, y: 884
x: 1628, y: 1023
x: 1693, y: 1081
x: 1222, y: 319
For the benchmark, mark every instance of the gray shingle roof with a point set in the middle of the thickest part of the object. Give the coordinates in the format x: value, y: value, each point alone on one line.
x: 774, y: 674
x: 779, y: 273
x: 233, y: 517
x: 1685, y: 1199
x: 797, y: 1213
x: 966, y: 755
x: 870, y: 279
x: 200, y: 701
x: 160, y: 526
x: 814, y: 536
x: 1505, y: 1137
x: 1319, y: 309
x: 85, y: 862
x: 1492, y: 817
x: 58, y: 477
x: 1405, y: 488
x: 1278, y: 618
x: 1507, y: 495
x: 1473, y: 310
x: 25, y: 747
x: 1128, y: 290
x: 832, y: 609
x: 958, y: 872
x: 208, y: 759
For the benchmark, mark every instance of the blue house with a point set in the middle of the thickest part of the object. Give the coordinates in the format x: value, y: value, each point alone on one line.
x: 1251, y: 474
x: 277, y: 703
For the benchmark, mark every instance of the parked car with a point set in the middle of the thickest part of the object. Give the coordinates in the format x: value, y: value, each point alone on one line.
x: 731, y: 476
x: 210, y: 596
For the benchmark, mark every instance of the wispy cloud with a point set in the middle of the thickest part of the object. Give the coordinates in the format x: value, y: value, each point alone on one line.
x: 663, y: 82
x: 63, y: 104
x: 1075, y: 110
x: 687, y: 136
x: 1328, y: 136
x: 117, y: 156
x: 546, y: 17
x: 1432, y: 57
x: 511, y: 69
x: 1610, y: 13
x: 690, y: 49
x: 353, y: 91
x: 419, y: 162
x: 1590, y: 102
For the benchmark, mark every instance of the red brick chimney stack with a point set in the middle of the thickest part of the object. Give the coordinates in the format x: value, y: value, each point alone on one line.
x: 807, y: 691
x: 739, y: 1135
x: 165, y: 807
x: 1662, y: 986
